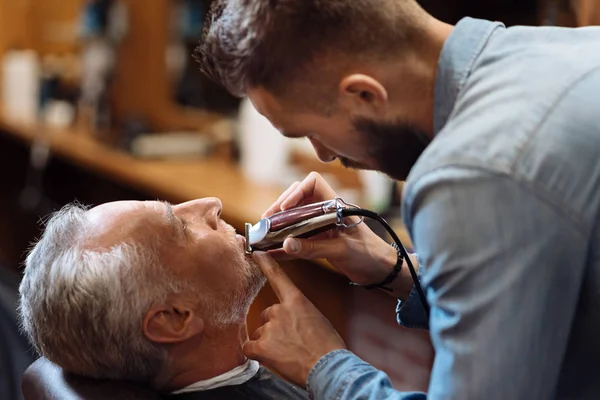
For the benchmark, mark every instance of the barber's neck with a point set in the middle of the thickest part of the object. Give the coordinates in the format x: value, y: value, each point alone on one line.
x: 412, y: 77
x: 215, y: 352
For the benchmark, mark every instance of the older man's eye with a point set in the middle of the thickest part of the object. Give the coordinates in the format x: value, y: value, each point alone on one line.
x: 184, y: 226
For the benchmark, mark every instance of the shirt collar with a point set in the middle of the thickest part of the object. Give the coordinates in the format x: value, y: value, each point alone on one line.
x: 236, y: 376
x: 463, y: 46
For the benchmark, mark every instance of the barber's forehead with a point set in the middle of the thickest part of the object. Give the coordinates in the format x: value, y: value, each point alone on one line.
x: 266, y: 103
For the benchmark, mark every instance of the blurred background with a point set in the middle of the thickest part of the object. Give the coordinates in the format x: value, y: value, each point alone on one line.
x: 102, y: 101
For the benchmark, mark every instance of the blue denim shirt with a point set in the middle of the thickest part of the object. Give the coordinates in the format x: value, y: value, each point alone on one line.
x: 503, y: 211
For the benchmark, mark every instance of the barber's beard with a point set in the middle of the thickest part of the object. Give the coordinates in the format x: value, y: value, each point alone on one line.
x: 394, y: 147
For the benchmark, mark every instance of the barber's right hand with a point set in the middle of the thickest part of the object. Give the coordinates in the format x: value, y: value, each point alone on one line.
x: 356, y: 252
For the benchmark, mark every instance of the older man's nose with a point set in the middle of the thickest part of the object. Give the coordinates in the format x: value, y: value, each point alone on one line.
x: 213, y: 211
x: 213, y: 203
x: 208, y: 209
x: 206, y: 203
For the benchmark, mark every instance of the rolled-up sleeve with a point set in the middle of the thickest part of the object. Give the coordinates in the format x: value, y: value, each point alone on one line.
x: 410, y: 312
x: 342, y: 375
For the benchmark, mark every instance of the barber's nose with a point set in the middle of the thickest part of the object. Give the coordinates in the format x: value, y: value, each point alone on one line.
x: 209, y: 209
x: 323, y: 153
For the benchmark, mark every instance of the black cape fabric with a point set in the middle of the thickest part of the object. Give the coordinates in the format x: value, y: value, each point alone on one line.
x: 264, y: 385
x: 15, y: 356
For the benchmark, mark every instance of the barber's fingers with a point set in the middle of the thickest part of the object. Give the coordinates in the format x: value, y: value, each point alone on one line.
x: 308, y: 249
x: 280, y: 255
x: 249, y: 349
x: 281, y: 284
x: 276, y: 207
x: 257, y: 347
x: 264, y: 316
x: 312, y: 189
x: 268, y: 313
x: 258, y: 333
x: 253, y: 349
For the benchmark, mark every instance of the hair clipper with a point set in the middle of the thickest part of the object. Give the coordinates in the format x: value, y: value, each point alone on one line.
x: 301, y: 222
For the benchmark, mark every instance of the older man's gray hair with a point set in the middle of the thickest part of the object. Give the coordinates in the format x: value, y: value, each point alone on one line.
x: 83, y: 308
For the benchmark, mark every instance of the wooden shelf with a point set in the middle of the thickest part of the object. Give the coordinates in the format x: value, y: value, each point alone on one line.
x: 175, y: 181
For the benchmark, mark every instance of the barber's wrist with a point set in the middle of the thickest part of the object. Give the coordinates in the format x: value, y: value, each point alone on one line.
x: 388, y: 272
x: 389, y: 260
x: 384, y: 283
x: 385, y: 258
x: 402, y: 285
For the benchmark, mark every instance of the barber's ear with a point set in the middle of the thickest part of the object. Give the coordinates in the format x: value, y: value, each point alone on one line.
x: 172, y: 323
x: 363, y: 91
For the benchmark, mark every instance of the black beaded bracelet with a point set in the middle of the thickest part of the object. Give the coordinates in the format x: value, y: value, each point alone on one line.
x: 390, y: 278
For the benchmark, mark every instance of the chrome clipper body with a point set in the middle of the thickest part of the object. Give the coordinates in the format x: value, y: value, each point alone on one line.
x: 302, y: 222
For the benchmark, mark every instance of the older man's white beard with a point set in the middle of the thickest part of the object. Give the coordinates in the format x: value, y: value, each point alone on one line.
x: 233, y: 309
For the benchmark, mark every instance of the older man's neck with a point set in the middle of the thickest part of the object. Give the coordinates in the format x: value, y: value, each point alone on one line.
x: 215, y: 353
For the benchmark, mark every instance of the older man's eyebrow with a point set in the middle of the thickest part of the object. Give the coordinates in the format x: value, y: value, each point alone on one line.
x: 169, y: 212
x: 172, y: 218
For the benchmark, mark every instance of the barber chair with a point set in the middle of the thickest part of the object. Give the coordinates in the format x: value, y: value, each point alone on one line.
x: 44, y: 380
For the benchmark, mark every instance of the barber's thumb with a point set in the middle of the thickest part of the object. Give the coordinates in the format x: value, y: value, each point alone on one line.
x: 250, y: 350
x: 310, y: 249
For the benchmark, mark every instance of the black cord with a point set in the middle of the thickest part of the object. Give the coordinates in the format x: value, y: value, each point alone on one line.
x: 347, y: 212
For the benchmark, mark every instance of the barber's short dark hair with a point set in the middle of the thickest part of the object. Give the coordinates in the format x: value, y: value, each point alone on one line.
x: 269, y: 43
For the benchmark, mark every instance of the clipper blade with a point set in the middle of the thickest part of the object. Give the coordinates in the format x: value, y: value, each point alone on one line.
x: 248, y: 248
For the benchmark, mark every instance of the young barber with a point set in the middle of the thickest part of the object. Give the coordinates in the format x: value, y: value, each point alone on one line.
x: 500, y: 131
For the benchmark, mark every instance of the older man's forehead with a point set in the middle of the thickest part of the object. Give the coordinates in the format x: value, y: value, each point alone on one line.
x: 117, y: 222
x: 112, y: 208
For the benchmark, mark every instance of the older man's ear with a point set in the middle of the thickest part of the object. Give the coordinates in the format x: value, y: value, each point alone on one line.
x: 173, y: 323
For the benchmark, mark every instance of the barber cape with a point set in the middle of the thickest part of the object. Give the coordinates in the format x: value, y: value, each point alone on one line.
x: 248, y: 381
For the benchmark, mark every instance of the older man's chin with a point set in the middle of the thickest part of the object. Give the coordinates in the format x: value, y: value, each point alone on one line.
x: 256, y: 278
x: 234, y: 309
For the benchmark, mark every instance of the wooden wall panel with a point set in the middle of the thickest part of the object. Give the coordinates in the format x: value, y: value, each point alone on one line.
x: 55, y: 24
x: 44, y: 25
x: 588, y: 12
x: 140, y: 86
x: 15, y: 30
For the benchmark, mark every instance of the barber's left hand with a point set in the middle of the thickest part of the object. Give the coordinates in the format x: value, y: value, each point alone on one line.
x: 294, y: 335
